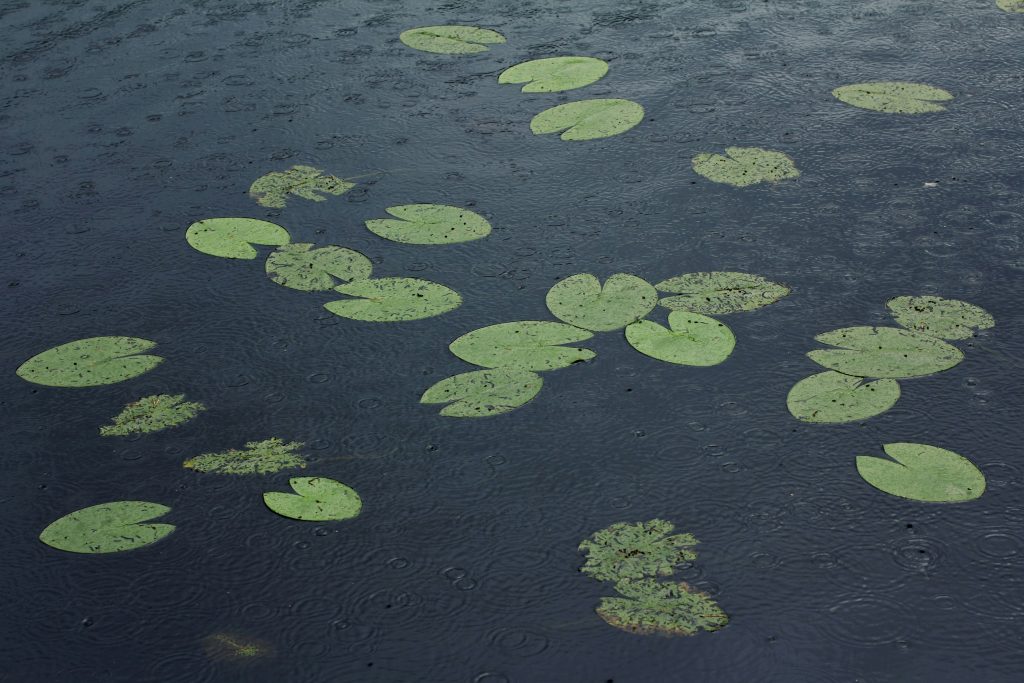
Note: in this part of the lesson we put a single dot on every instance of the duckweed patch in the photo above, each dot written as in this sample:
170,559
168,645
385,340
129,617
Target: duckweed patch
258,457
272,189
152,414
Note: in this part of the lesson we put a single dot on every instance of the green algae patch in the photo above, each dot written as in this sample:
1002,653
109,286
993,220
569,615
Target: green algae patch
90,362
921,472
588,119
665,608
152,414
693,339
636,550
528,345
316,499
228,646
451,40
938,317
744,166
300,266
393,299
310,183
107,528
234,237
258,457
484,392
555,74
580,300
719,292
834,398
893,97
884,352
430,224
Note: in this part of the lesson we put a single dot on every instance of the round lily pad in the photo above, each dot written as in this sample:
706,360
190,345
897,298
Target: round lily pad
451,40
894,97
1011,5
90,362
107,528
555,74
430,224
484,392
884,352
302,267
834,398
943,318
921,472
693,339
743,166
316,499
588,119
717,293
527,345
580,300
234,237
391,299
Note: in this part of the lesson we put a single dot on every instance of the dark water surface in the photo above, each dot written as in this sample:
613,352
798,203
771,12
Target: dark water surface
122,122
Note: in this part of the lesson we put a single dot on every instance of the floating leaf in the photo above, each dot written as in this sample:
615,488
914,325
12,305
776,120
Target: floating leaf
745,166
581,301
666,608
302,181
299,266
555,74
526,345
90,362
636,550
832,397
484,392
234,237
884,352
588,119
893,97
1011,5
233,646
430,224
694,339
107,528
316,499
943,318
390,299
151,414
922,472
258,457
721,292
451,40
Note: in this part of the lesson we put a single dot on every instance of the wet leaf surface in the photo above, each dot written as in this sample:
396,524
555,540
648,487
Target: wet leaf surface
316,499
693,339
938,317
527,345
484,392
588,119
582,301
555,74
744,166
108,528
258,457
664,608
152,414
636,550
300,266
234,237
894,97
394,299
921,472
452,40
430,224
310,183
718,293
884,352
834,398
90,362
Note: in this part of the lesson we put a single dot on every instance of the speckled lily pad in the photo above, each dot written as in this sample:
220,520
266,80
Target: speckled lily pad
743,166
588,119
665,608
721,292
527,345
894,97
310,183
582,301
451,40
555,74
484,392
107,528
430,224
392,299
90,362
152,414
636,550
921,472
258,457
884,352
693,339
943,318
300,266
234,237
316,499
834,398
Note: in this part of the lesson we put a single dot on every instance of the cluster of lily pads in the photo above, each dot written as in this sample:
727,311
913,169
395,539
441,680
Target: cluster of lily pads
634,557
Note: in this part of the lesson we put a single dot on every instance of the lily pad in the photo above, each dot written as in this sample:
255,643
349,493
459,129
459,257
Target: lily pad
90,362
484,392
300,266
834,398
555,74
258,457
151,414
943,318
693,339
666,608
526,345
430,224
745,166
451,40
316,499
107,528
390,299
1011,5
884,352
272,190
588,119
636,550
581,301
717,293
921,472
893,97
234,237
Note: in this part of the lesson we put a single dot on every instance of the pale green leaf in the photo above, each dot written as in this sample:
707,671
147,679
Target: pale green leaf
745,166
452,40
527,345
693,339
580,300
884,352
234,237
588,119
483,393
1011,5
316,499
299,266
272,190
943,318
151,414
833,398
555,74
430,224
665,608
893,97
390,299
720,292
636,550
90,362
107,528
921,472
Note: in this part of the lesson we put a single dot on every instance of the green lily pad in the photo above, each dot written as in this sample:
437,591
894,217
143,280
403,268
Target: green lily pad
636,550
151,414
299,266
526,345
484,392
430,224
720,292
258,457
90,362
665,608
943,318
588,119
1011,5
451,40
272,190
924,473
234,237
884,352
834,398
693,339
745,166
391,299
555,74
107,528
581,301
316,499
893,97
227,646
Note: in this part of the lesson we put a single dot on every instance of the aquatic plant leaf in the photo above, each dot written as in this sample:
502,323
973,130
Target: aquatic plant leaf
627,550
107,528
943,318
526,345
234,646
720,292
316,499
666,608
1011,5
451,40
922,472
430,224
745,166
151,414
580,300
258,457
893,97
555,74
693,339
390,299
483,393
299,266
234,237
272,190
834,398
884,352
588,119
90,362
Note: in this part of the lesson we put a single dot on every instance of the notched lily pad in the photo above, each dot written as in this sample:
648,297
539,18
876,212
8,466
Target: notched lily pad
1011,5
921,472
484,392
90,362
234,237
451,40
720,292
526,345
884,352
893,97
430,224
693,339
555,74
107,528
588,119
580,300
664,608
302,267
151,414
272,190
745,166
316,499
393,299
834,398
636,550
258,457
943,318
